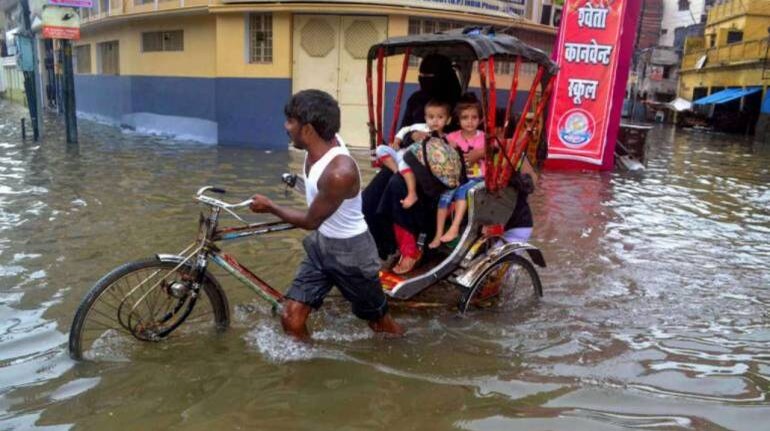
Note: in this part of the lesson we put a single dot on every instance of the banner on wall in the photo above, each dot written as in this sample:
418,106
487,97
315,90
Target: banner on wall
588,50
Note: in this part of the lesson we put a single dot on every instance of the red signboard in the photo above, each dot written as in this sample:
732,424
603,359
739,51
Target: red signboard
587,52
51,32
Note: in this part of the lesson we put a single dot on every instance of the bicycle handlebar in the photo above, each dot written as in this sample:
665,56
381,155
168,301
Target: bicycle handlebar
200,196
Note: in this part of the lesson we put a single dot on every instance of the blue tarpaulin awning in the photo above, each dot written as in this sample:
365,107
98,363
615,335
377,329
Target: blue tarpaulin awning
726,95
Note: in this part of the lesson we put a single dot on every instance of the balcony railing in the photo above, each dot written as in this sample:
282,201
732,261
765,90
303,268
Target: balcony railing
106,8
505,8
735,53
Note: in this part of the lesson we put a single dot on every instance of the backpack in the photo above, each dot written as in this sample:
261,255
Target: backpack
436,165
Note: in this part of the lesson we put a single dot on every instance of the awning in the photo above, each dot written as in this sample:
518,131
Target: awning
726,95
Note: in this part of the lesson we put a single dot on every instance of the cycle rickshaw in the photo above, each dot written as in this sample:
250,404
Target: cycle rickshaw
150,299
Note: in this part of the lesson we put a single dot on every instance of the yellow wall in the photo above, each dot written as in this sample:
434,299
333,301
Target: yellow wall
724,77
196,60
749,16
231,58
215,40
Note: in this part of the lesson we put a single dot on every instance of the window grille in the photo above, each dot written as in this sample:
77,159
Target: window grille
260,38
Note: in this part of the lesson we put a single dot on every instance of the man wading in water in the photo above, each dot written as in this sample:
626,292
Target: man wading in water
340,250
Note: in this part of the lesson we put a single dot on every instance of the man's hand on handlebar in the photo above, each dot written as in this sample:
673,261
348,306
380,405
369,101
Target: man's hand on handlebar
260,204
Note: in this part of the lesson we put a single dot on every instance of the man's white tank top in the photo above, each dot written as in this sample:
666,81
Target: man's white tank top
348,221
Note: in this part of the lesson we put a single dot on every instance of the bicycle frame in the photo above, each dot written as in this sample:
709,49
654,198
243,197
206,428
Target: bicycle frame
207,250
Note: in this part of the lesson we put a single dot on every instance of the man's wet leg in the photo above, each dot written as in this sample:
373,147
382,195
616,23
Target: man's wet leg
294,319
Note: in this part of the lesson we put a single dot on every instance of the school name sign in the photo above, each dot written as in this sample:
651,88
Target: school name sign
588,50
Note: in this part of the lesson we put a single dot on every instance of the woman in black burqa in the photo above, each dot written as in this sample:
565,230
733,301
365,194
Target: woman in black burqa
382,197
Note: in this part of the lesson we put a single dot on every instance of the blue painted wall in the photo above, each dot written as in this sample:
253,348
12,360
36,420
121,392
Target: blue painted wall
248,111
104,95
182,97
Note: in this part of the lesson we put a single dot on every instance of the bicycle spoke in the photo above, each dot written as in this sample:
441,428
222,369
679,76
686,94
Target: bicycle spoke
200,317
107,327
152,303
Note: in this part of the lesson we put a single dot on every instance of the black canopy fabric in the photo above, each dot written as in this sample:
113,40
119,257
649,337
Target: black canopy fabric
466,45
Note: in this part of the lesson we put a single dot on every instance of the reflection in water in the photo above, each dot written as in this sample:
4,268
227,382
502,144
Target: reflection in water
654,315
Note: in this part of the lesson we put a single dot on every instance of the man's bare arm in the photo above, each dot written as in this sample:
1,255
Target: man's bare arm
339,182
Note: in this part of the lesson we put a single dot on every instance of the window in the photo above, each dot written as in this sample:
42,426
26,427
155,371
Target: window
141,2
260,38
428,26
83,59
734,36
10,17
545,15
89,12
156,41
109,58
556,19
663,31
684,5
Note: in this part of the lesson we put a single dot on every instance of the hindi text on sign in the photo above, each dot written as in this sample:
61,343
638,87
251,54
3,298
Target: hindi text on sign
589,53
582,88
592,16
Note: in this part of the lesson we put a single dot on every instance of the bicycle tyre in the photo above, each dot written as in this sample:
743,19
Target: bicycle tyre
508,264
110,285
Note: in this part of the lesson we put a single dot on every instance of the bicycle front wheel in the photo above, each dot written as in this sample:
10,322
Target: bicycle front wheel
144,301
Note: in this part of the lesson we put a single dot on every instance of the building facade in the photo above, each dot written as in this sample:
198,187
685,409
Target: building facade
657,73
11,79
678,15
220,71
732,54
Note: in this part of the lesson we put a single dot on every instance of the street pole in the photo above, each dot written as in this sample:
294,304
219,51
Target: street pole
70,117
30,77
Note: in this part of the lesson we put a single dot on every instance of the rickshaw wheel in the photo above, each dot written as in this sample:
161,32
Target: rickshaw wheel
503,286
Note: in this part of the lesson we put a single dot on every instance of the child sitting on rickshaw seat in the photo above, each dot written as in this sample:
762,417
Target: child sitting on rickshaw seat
435,152
469,139
390,155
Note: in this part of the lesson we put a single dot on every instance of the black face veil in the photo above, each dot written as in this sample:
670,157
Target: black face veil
438,78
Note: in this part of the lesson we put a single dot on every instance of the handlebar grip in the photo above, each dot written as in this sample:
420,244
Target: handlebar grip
218,190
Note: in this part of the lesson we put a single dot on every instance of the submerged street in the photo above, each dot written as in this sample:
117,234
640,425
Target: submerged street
655,312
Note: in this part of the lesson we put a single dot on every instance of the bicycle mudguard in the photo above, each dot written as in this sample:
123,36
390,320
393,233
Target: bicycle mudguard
499,254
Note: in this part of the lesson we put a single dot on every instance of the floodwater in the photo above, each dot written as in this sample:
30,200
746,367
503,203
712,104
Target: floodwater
655,313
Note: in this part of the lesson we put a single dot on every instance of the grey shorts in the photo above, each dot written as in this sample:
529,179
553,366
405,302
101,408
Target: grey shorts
350,264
